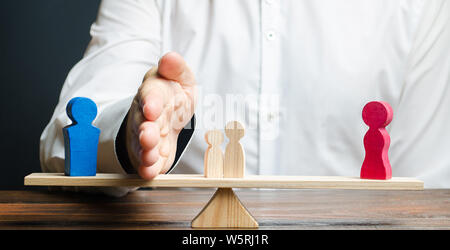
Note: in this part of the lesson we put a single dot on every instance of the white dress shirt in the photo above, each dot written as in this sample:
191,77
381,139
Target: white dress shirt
301,70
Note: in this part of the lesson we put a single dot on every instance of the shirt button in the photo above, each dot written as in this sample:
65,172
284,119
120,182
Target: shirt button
272,116
270,35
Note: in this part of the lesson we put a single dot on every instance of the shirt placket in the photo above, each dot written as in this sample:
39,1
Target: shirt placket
269,92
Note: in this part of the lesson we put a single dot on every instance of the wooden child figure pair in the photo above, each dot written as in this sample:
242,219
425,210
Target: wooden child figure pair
224,210
232,163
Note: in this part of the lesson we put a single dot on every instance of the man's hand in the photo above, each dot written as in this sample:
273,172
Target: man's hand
164,104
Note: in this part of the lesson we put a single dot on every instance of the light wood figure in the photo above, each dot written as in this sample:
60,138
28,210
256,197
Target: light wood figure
234,165
224,210
213,161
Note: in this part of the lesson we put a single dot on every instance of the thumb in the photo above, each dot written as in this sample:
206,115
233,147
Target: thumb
173,67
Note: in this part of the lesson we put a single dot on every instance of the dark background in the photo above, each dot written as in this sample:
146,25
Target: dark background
41,40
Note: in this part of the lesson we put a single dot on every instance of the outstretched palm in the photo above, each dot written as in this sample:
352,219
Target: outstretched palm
163,106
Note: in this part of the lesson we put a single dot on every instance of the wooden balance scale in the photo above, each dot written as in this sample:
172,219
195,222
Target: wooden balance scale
224,210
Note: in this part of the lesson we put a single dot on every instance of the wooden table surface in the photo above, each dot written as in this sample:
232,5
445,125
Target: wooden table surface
273,209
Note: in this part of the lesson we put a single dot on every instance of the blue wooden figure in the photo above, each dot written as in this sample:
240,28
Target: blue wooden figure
81,138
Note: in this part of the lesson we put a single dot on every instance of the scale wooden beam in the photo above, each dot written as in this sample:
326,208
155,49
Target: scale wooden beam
199,181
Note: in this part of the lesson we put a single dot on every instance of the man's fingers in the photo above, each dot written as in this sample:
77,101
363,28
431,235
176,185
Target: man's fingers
150,172
173,67
153,105
149,135
155,95
149,157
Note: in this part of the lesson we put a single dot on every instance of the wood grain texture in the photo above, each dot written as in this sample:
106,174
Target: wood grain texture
199,181
224,210
213,162
274,209
234,166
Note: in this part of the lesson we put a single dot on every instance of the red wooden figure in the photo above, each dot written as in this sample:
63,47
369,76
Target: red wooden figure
377,115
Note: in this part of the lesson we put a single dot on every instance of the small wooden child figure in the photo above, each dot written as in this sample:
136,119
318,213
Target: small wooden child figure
377,115
213,155
234,166
81,138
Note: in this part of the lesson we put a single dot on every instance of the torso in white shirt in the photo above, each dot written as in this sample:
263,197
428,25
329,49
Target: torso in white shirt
304,69
311,66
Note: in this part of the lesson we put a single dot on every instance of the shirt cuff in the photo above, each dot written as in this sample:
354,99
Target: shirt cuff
184,138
